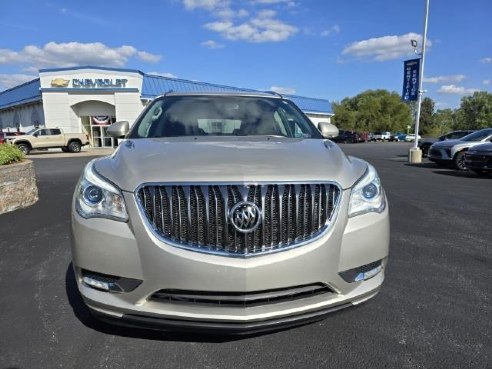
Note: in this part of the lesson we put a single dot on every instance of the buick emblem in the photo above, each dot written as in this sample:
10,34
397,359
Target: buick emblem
245,216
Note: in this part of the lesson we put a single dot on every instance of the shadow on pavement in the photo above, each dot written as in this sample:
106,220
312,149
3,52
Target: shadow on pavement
423,165
459,173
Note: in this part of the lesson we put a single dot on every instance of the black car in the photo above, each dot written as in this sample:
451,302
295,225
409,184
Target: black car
347,137
426,143
479,159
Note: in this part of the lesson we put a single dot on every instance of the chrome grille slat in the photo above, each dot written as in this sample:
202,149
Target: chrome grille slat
196,216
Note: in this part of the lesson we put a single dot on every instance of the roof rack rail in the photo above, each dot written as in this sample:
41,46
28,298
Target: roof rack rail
274,93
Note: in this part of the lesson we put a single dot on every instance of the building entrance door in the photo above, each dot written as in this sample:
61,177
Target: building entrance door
99,126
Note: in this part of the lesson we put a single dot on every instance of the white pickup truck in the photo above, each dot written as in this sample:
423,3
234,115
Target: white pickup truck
381,136
47,138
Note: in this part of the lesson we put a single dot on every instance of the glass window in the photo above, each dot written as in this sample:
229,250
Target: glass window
478,136
173,116
55,131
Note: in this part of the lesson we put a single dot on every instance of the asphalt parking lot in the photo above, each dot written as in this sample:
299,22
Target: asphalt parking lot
434,310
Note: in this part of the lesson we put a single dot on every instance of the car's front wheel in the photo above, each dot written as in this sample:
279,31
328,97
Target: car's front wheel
459,160
425,150
24,148
74,146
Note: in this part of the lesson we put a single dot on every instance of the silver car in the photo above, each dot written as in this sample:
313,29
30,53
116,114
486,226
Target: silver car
453,151
226,213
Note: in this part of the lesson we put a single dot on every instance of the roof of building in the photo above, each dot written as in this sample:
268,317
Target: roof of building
22,94
152,86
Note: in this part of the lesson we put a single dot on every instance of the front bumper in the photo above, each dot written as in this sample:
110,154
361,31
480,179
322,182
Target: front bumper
130,250
479,162
441,155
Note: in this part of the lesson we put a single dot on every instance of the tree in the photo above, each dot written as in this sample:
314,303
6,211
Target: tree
372,110
475,111
426,123
444,121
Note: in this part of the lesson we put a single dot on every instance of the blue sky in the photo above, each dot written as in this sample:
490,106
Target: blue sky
318,48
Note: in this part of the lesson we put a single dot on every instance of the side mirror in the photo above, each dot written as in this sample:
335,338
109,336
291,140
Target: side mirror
118,129
328,130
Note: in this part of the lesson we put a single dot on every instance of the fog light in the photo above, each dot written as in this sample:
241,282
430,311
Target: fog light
368,275
109,283
362,273
92,282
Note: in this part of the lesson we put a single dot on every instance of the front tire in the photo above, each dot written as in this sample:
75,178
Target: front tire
64,149
459,160
425,150
74,146
24,148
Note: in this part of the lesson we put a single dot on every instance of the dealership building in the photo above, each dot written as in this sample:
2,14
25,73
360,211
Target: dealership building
89,99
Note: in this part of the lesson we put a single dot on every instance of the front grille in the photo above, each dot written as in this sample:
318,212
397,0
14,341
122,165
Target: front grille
435,153
196,217
479,160
240,299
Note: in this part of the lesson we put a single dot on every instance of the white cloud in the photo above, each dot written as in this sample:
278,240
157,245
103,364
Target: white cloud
12,80
486,81
445,79
456,90
162,74
211,44
331,31
486,60
148,57
283,90
262,28
384,48
74,53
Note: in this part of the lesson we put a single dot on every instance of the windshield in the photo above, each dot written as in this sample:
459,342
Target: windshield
175,116
477,136
32,131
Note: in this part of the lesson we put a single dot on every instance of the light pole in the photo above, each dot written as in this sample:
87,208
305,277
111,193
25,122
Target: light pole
415,155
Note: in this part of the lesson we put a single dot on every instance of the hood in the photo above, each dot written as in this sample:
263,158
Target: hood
447,143
485,148
233,159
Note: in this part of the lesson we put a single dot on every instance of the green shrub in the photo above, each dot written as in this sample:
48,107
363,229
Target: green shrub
10,154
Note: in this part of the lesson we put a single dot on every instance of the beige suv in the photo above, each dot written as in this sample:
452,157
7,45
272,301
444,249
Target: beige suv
226,213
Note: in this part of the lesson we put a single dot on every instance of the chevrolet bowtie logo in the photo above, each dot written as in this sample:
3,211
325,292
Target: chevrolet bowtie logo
60,82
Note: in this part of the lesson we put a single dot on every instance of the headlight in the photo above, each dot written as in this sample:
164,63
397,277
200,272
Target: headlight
97,198
367,195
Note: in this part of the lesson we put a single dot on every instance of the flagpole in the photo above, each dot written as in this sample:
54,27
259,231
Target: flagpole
415,155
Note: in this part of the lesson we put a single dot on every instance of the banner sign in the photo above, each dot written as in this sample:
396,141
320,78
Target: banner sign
411,80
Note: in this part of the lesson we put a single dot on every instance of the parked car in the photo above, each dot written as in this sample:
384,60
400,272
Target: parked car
411,137
426,143
479,159
346,137
398,136
453,151
381,136
45,138
226,212
363,136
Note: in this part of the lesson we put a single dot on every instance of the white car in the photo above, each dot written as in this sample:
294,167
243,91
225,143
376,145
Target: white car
411,137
